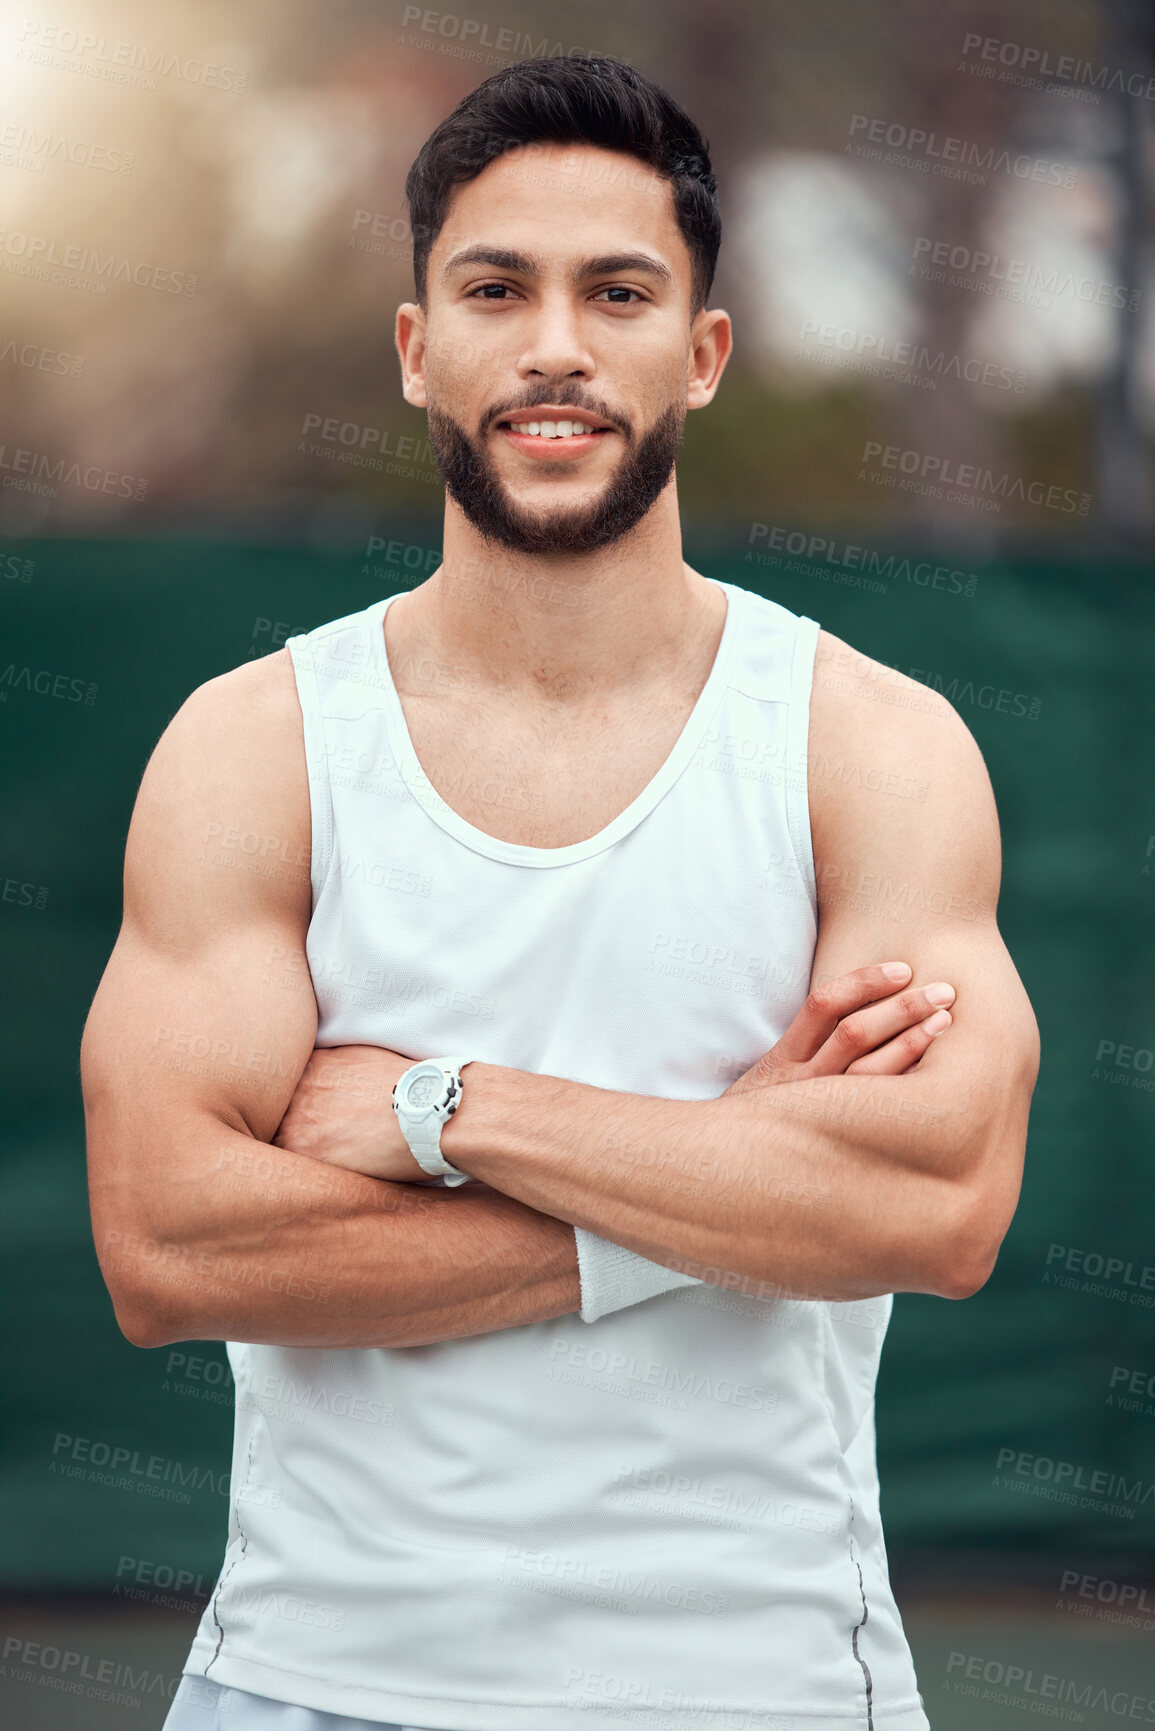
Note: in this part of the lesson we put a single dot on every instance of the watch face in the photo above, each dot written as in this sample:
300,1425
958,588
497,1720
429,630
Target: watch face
423,1090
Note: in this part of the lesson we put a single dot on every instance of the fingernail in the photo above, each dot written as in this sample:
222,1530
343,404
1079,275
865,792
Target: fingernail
939,993
896,970
937,1024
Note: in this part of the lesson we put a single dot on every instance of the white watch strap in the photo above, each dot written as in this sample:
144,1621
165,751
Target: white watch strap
425,1139
613,1277
453,1178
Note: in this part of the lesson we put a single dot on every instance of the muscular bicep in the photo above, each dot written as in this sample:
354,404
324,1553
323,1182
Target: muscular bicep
205,1016
907,864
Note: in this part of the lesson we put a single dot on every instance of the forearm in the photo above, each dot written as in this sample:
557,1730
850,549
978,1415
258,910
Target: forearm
265,1245
838,1188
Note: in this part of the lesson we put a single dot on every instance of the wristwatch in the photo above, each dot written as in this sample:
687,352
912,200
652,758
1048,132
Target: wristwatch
425,1097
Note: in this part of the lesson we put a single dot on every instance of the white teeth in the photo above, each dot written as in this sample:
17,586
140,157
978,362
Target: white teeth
551,429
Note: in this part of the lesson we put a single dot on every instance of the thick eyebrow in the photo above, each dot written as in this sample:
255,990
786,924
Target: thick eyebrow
525,264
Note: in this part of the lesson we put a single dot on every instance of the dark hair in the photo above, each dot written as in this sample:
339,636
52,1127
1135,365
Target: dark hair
569,101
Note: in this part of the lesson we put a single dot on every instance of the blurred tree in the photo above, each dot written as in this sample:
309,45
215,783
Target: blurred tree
934,94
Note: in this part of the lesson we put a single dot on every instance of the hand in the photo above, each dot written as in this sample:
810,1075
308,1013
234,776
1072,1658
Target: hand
860,1024
342,1113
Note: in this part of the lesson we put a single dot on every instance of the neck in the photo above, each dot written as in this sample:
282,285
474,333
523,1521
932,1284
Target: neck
566,628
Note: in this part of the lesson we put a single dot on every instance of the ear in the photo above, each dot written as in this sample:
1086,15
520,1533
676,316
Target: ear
409,336
711,339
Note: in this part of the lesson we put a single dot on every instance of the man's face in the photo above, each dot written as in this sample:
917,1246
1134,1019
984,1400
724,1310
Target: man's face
560,280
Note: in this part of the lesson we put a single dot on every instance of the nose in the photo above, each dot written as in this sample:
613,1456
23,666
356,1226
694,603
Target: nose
555,347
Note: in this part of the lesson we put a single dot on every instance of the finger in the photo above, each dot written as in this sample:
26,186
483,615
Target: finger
827,1004
867,1029
900,1054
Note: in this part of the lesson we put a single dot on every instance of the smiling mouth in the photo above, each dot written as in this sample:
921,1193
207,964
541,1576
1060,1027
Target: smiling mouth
556,427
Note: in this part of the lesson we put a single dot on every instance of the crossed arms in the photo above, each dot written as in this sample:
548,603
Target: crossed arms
832,1169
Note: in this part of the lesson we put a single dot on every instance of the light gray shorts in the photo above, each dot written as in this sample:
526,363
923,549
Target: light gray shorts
201,1704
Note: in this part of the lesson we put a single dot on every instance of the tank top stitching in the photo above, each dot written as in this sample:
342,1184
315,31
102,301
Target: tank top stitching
220,1586
867,1679
826,1334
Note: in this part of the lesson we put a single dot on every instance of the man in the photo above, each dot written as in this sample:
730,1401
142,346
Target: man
592,1432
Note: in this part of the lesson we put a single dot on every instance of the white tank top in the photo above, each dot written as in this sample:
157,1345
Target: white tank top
668,1517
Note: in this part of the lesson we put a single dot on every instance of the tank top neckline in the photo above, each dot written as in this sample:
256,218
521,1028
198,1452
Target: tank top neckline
681,753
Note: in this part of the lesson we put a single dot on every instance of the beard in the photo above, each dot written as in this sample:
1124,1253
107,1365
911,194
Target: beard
473,483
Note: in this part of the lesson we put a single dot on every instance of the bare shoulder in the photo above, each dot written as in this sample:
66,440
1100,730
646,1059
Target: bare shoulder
861,705
241,732
261,692
224,799
852,688
892,767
